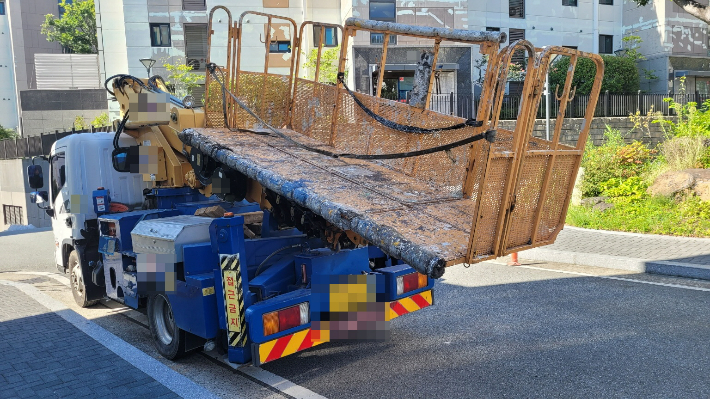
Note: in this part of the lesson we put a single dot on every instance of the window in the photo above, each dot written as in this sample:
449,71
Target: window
490,29
196,46
607,2
330,38
606,44
383,10
516,8
61,9
11,214
58,177
379,38
571,3
194,5
2,7
280,47
160,35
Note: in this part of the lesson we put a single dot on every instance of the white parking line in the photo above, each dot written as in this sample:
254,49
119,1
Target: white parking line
685,287
277,382
171,379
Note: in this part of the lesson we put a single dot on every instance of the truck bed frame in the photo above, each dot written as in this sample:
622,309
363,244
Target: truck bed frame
463,205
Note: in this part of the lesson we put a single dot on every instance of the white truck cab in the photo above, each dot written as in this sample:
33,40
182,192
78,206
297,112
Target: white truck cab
78,165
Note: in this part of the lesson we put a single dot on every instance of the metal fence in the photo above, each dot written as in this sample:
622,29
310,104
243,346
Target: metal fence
28,147
609,105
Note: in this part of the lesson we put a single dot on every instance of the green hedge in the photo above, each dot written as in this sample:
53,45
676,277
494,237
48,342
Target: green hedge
620,75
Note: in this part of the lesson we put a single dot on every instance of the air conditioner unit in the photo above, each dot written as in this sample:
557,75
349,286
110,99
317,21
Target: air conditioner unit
197,64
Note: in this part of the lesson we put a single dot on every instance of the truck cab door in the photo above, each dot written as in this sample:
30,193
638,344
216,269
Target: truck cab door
59,199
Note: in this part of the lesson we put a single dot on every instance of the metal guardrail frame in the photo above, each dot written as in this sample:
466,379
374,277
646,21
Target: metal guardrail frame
609,105
27,147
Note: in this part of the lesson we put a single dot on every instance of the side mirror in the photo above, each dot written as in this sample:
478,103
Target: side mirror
126,159
35,178
39,197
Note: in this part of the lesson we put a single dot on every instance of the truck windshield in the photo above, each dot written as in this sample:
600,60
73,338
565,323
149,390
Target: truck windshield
58,174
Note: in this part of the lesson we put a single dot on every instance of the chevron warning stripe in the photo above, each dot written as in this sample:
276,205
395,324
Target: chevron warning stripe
233,299
410,304
285,346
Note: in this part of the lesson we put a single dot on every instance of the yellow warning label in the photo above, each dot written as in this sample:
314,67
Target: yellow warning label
231,300
208,291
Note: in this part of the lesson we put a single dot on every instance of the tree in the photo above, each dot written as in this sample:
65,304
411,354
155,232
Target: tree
75,29
620,75
181,78
7,133
699,11
329,60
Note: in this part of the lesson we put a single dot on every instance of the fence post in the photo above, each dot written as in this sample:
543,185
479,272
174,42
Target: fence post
638,101
451,103
606,106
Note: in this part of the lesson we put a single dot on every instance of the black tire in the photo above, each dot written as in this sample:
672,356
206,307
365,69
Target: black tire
167,337
78,284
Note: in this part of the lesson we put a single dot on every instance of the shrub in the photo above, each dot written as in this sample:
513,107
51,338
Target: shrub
628,190
101,120
683,152
620,74
613,159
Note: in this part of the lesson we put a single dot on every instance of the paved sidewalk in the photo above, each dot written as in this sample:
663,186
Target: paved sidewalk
44,356
675,256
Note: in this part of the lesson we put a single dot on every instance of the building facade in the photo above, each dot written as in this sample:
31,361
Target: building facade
46,89
175,32
675,45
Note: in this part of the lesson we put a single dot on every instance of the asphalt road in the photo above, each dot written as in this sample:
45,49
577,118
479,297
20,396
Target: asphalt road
548,330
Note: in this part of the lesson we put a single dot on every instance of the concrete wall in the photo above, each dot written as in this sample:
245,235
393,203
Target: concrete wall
571,128
45,111
14,191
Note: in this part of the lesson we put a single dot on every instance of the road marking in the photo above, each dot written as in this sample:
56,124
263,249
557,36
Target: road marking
685,287
171,379
277,382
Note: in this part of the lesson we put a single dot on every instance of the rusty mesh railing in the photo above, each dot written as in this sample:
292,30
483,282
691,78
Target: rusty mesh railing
507,196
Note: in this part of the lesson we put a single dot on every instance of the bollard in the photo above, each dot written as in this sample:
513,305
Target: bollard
514,259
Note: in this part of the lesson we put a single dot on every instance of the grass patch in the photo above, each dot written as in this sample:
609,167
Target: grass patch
651,215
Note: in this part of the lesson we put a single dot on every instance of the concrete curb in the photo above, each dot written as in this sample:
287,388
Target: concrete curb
667,268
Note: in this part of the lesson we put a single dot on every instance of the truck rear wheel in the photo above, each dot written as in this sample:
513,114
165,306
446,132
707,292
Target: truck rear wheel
78,284
168,338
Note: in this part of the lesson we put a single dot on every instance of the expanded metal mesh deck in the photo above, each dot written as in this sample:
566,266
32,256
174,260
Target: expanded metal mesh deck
410,219
466,204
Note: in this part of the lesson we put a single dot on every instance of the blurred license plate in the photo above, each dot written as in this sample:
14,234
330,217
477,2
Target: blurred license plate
349,307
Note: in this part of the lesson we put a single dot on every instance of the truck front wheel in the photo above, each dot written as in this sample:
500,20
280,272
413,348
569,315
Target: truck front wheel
78,284
168,338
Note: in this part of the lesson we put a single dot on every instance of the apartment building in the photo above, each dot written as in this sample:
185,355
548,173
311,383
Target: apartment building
675,45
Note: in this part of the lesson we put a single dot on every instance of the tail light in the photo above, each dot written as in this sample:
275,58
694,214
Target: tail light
410,282
282,320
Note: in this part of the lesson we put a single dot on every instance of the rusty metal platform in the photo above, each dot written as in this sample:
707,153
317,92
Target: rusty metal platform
463,205
427,227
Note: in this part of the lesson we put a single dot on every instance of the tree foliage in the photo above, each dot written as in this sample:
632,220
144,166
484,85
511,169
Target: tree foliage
181,77
7,133
329,60
692,7
75,29
620,75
